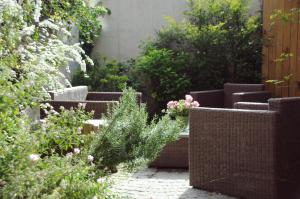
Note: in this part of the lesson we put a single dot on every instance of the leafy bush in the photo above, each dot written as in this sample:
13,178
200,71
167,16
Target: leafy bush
32,161
34,164
162,73
105,76
60,133
128,137
219,43
54,177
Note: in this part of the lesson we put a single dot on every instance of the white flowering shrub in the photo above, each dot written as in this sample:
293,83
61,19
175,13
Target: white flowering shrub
33,157
34,45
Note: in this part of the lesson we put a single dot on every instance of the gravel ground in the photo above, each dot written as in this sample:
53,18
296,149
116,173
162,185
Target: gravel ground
150,183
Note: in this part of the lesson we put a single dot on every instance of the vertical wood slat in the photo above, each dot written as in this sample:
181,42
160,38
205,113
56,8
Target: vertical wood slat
266,50
297,58
293,60
285,39
267,68
278,31
286,48
272,64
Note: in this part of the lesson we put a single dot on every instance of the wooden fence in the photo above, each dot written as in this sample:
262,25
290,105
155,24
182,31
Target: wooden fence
283,38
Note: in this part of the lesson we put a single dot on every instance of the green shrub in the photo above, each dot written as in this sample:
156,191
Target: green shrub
128,137
53,174
219,43
103,76
60,133
32,161
162,73
54,177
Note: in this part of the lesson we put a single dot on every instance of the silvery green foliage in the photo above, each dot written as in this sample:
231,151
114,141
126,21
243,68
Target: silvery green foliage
36,44
129,138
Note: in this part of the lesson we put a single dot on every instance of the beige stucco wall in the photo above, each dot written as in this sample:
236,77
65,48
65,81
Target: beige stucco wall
134,21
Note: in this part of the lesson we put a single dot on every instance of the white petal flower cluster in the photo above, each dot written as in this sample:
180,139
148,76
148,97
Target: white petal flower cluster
37,10
41,51
34,157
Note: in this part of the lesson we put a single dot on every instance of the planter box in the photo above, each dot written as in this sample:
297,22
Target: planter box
174,155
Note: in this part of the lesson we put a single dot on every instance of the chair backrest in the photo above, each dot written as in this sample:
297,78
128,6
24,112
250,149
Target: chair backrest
288,137
289,110
251,106
70,94
110,96
230,88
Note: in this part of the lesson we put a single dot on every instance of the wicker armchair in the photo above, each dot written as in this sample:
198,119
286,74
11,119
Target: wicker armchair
231,94
93,101
253,154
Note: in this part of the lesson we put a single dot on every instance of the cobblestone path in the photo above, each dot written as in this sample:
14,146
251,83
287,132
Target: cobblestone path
152,183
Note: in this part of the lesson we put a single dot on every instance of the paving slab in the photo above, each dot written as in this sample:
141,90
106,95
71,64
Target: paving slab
151,183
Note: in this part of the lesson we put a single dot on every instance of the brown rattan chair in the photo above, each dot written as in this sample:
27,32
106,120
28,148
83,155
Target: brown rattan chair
253,154
232,93
92,101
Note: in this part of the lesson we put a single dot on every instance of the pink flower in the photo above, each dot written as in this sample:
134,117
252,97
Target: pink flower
172,104
176,104
188,98
187,104
195,104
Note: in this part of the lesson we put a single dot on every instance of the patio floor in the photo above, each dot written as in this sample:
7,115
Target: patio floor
150,183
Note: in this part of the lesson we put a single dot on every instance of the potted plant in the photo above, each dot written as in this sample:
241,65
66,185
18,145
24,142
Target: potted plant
179,110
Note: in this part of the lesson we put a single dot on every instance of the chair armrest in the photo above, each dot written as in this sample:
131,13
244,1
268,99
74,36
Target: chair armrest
210,98
257,96
227,146
251,105
99,107
109,96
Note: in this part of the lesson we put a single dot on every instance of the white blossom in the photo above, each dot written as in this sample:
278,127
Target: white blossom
49,24
100,180
79,130
69,155
76,150
90,158
34,157
37,10
41,59
53,112
28,31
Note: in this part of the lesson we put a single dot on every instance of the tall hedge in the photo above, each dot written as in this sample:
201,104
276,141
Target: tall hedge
220,42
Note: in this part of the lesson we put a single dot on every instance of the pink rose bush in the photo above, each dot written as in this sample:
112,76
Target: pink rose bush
181,107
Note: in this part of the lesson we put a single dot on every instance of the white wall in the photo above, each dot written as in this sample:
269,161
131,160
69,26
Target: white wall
133,21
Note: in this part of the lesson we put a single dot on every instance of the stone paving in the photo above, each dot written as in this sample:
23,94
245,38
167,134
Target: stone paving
150,183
